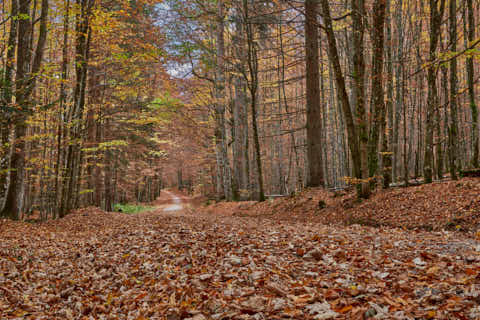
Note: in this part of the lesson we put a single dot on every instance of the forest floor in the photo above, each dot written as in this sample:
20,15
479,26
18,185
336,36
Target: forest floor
445,205
191,264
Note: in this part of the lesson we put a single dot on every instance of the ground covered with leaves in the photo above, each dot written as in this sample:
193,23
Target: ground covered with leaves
184,265
445,205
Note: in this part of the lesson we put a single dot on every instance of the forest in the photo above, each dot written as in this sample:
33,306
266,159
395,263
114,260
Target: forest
106,103
239,159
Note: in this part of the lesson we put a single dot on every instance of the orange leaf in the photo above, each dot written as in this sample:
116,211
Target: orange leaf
140,296
471,272
346,309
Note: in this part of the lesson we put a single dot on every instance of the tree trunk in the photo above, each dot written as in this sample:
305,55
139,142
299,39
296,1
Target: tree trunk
436,15
399,99
387,132
240,114
252,60
377,99
453,132
358,30
220,131
471,88
73,155
315,177
6,100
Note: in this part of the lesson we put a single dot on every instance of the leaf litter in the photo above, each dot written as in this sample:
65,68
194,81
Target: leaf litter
97,265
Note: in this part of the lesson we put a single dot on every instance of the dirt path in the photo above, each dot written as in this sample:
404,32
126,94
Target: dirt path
177,203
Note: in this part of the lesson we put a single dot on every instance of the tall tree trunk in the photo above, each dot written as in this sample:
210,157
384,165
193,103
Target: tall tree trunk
471,88
7,88
377,99
220,130
453,132
315,177
61,118
82,48
436,15
399,99
387,132
358,33
252,60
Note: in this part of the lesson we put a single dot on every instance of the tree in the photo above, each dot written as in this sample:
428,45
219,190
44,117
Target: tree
224,170
75,114
358,33
315,177
240,109
471,87
453,131
377,96
6,102
252,61
436,14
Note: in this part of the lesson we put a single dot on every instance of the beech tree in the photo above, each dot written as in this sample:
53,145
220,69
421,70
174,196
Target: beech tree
314,112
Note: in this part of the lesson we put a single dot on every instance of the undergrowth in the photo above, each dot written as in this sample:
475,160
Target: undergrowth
132,208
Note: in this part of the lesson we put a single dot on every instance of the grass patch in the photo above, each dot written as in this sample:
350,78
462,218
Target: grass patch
132,208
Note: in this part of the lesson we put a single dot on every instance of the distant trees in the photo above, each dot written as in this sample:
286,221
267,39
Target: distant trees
374,121
72,111
106,101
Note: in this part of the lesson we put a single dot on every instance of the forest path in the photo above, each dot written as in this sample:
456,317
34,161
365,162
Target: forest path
176,203
158,265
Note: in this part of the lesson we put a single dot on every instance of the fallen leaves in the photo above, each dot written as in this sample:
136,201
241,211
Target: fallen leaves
156,266
445,205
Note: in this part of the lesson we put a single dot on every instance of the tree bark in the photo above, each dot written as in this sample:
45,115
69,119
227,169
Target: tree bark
453,132
471,88
436,15
377,99
315,177
73,155
220,131
6,101
240,113
358,33
387,132
252,60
